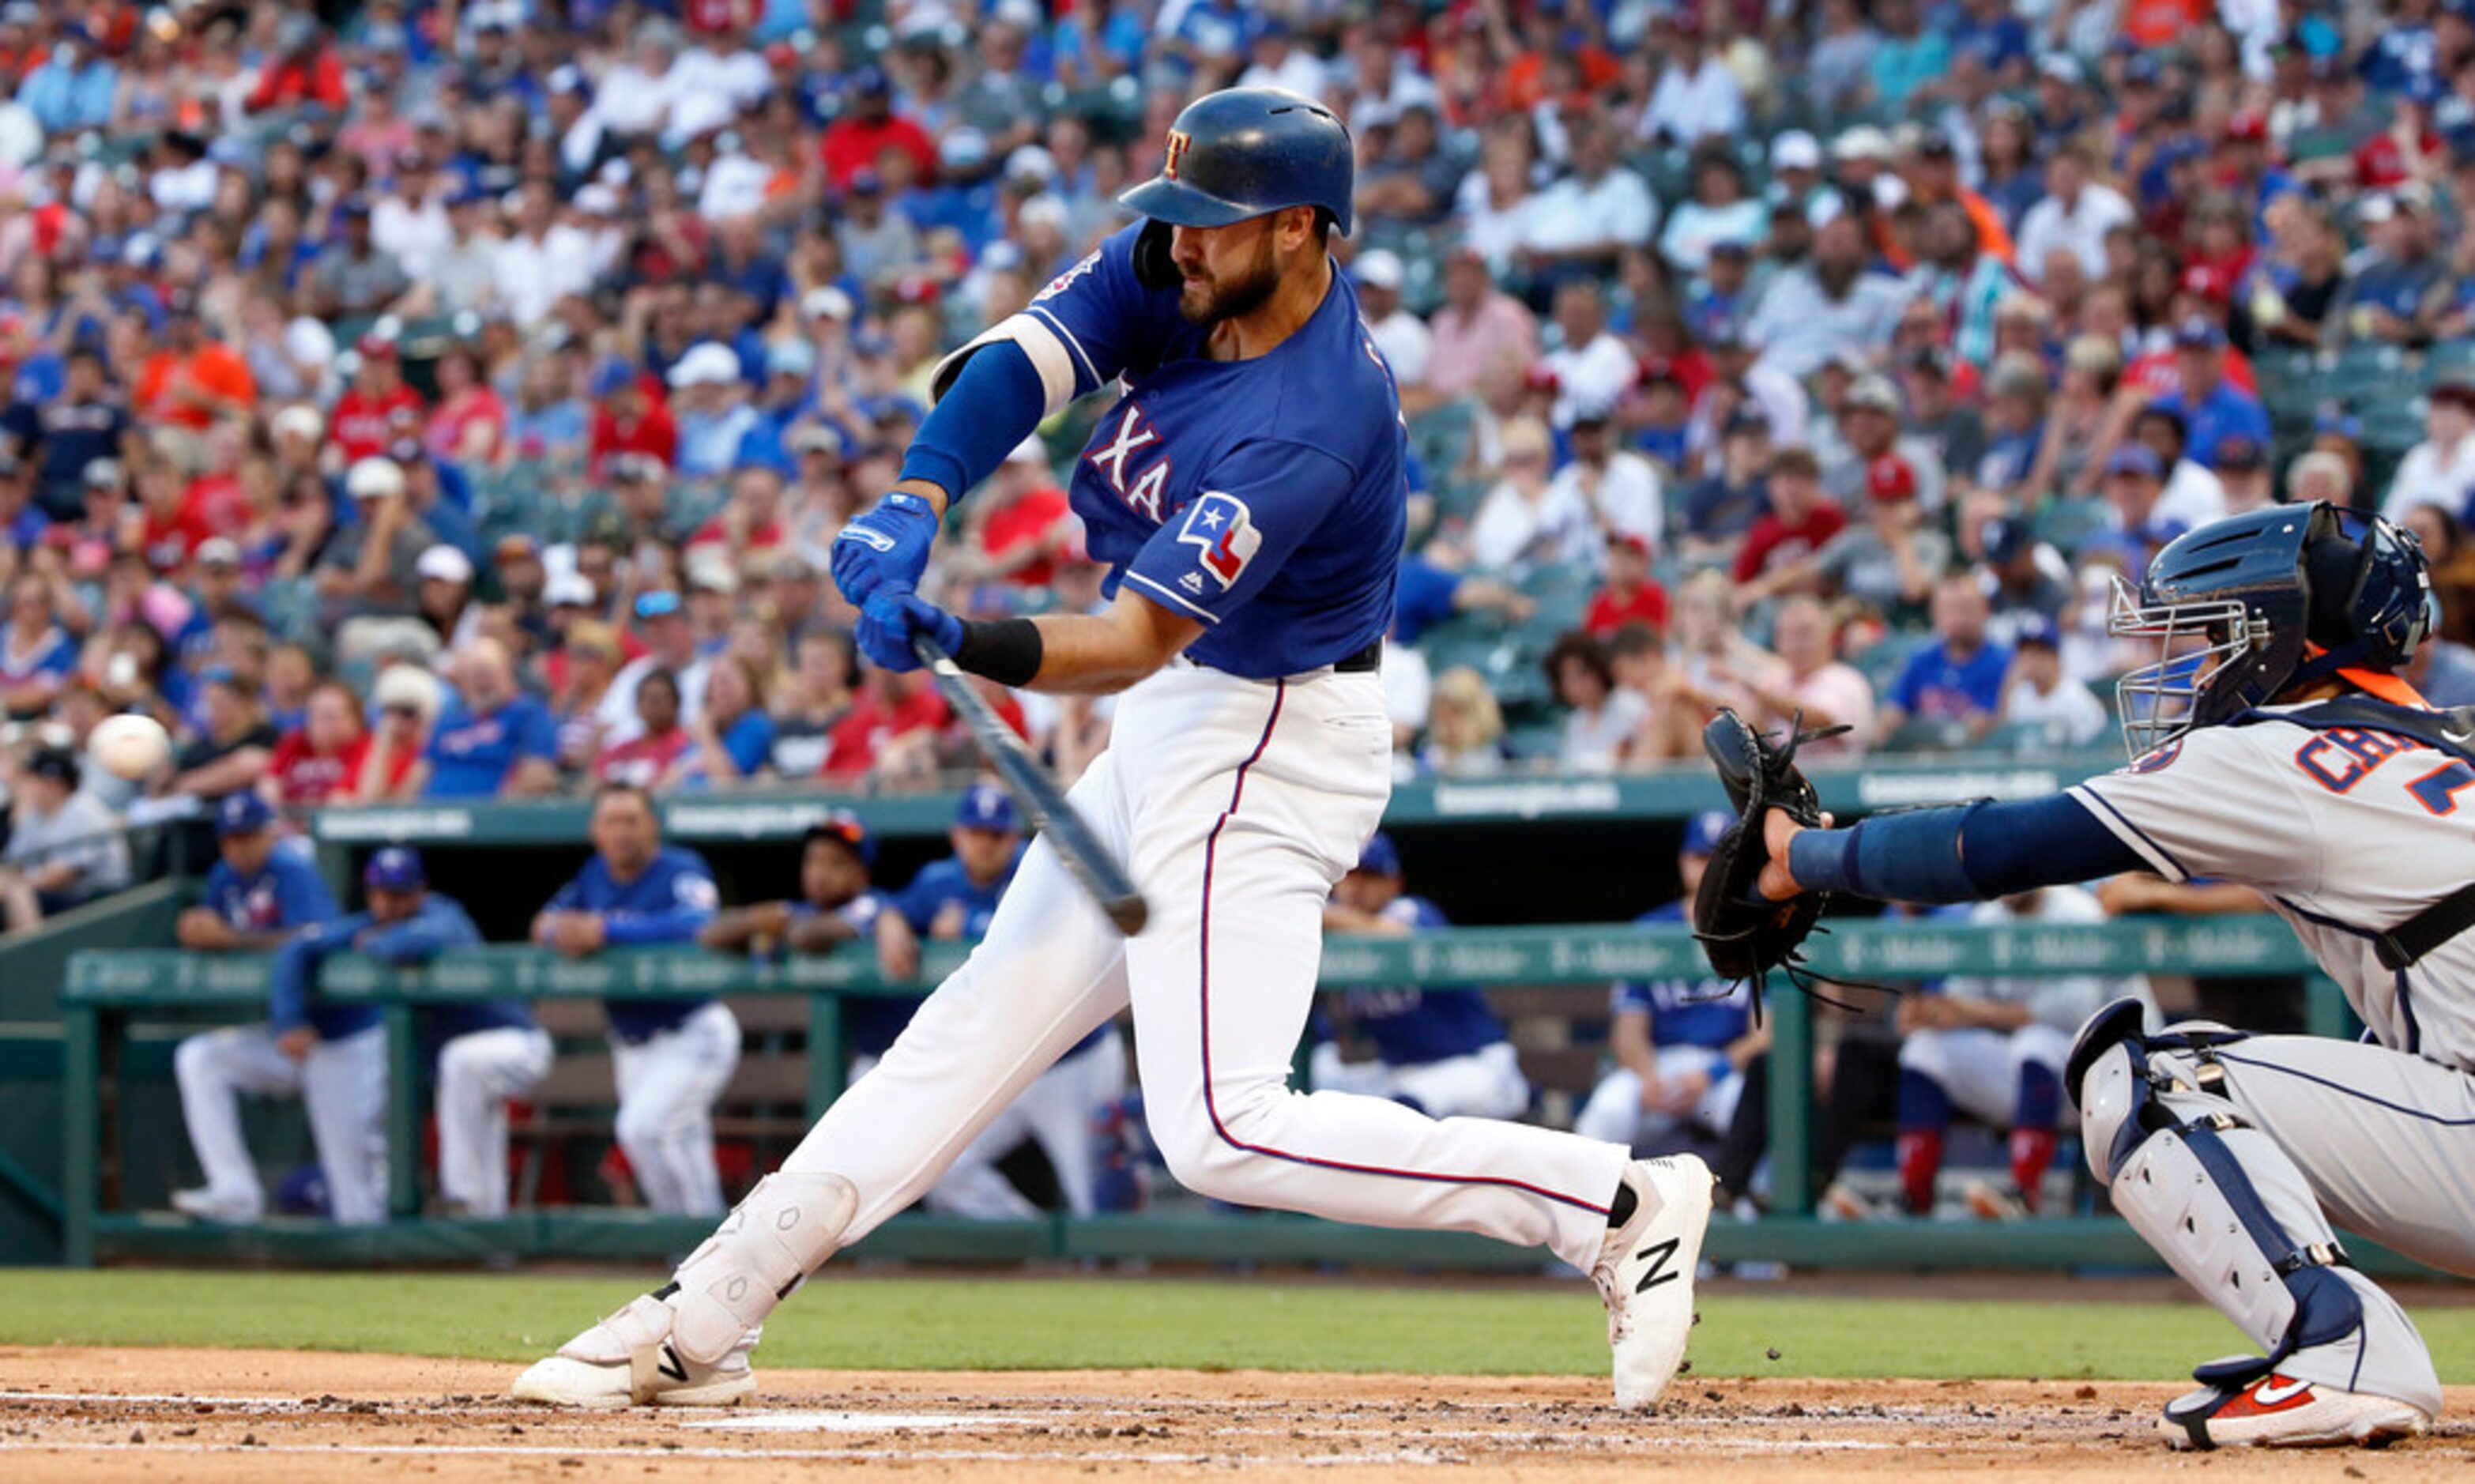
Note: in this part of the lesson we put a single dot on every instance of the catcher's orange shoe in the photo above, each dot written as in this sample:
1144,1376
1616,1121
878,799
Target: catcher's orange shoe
2279,1411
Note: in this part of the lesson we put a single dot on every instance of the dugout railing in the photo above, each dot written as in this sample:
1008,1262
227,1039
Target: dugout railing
108,991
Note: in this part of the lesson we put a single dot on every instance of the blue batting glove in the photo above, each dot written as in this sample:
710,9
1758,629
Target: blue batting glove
889,619
884,545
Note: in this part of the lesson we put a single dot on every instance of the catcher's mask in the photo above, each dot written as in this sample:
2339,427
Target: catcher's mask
2243,608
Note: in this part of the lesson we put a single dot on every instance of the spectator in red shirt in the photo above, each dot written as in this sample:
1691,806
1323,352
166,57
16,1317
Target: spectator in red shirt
1024,518
647,758
323,760
378,407
169,530
195,378
1801,520
304,70
1629,594
629,418
890,732
850,143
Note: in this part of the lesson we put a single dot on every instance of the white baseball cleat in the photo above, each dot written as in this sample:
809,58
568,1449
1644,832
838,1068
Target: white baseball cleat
204,1203
2279,1411
629,1360
1645,1274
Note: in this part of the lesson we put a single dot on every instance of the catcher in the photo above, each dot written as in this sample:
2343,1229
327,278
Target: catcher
2274,745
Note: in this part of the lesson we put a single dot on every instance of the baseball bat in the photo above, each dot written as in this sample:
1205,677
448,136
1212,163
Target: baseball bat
1087,861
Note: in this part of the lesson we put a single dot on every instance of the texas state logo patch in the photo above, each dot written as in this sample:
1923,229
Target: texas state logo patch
1220,524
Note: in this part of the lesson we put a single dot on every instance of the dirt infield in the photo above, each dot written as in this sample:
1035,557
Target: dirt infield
271,1417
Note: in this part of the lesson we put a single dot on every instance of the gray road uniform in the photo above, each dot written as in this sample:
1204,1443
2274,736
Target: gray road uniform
2348,833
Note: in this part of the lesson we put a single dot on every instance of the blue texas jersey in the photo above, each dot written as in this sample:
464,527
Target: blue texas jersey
943,882
1263,497
1412,1026
287,892
668,902
1687,1011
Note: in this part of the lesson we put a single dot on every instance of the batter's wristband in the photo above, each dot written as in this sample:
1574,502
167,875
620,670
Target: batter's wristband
1005,650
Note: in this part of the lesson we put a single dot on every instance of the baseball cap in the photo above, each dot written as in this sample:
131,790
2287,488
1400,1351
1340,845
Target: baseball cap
2135,458
985,806
103,473
242,814
568,590
444,564
825,303
1873,392
373,346
611,374
847,830
1378,268
516,546
1380,858
791,358
659,605
1890,477
218,551
2197,332
2039,630
1702,832
2239,453
395,868
1864,141
56,764
637,466
706,364
374,478
1796,150
2247,127
2004,539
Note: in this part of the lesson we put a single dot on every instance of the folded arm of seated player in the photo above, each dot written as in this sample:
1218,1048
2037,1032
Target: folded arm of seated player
1968,852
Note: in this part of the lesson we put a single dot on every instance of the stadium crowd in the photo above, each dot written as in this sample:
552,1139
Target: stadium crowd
456,400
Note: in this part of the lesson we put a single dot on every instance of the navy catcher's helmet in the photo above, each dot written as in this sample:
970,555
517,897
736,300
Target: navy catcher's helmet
1246,152
2247,606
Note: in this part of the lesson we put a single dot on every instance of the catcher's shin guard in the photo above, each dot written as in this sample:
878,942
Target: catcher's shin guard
2232,1215
767,1246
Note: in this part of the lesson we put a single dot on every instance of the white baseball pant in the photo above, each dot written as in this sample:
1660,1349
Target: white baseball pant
1486,1084
342,1087
1614,1110
478,1073
1979,1068
668,1084
1237,805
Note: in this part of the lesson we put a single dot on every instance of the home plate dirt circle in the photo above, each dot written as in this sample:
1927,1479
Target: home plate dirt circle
271,1418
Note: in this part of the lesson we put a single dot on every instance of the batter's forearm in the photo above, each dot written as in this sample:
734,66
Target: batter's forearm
1100,655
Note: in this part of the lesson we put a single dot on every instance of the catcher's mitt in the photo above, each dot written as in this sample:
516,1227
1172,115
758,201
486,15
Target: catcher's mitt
1744,935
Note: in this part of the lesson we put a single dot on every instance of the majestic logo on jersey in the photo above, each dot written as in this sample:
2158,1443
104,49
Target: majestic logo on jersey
1179,142
1066,280
1143,494
1221,526
2158,759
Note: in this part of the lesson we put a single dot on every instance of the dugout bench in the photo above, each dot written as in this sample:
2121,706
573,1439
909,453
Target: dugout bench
108,989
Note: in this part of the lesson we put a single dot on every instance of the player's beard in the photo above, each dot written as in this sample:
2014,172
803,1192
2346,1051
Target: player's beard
1209,302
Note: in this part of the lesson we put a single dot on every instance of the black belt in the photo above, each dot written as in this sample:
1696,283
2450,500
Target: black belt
1364,660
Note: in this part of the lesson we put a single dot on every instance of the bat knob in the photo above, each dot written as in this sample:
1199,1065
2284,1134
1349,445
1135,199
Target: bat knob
1129,913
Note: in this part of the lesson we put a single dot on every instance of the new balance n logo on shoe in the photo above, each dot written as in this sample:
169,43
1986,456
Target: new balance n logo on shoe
1658,1256
671,1364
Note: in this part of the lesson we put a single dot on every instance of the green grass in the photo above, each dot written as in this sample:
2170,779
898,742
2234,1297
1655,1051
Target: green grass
1030,1323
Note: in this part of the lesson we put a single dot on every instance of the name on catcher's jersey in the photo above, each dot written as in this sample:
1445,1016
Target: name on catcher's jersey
1263,497
2347,832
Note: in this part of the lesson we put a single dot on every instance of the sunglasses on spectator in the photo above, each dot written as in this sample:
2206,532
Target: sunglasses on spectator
399,711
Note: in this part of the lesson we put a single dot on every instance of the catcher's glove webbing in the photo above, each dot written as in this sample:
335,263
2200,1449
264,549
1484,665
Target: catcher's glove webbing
1746,935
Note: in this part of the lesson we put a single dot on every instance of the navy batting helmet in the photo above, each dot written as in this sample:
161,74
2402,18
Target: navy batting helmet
2245,607
1246,152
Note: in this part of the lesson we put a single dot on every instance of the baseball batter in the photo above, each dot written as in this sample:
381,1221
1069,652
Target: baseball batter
1247,492
2274,746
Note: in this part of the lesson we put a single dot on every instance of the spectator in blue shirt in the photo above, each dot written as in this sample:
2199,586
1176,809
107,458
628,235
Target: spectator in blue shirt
332,1057
2213,408
1957,678
672,1056
492,741
2384,295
